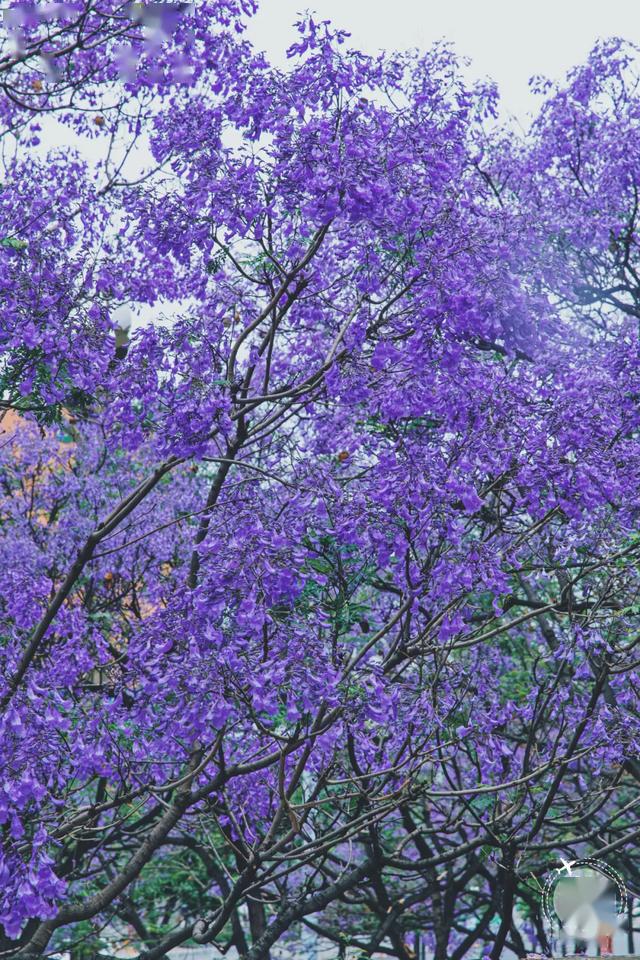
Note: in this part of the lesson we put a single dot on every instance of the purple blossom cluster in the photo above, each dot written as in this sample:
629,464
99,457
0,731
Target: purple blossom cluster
319,603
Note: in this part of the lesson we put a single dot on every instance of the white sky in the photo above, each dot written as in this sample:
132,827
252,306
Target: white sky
508,40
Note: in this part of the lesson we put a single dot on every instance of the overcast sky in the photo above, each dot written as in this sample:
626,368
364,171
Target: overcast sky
508,40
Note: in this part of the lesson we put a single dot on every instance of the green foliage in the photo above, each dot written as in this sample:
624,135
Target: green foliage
12,243
401,426
342,593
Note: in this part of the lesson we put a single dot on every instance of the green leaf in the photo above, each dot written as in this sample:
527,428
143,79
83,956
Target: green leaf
13,243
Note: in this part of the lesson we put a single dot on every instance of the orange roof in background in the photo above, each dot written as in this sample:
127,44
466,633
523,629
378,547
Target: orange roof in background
9,420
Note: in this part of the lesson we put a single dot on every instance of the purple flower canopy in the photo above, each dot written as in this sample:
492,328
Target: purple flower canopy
322,581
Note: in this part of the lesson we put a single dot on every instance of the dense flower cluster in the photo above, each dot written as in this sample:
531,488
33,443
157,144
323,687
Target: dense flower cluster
322,579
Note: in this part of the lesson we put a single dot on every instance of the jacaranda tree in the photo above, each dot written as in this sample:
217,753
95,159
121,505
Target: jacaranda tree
319,596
